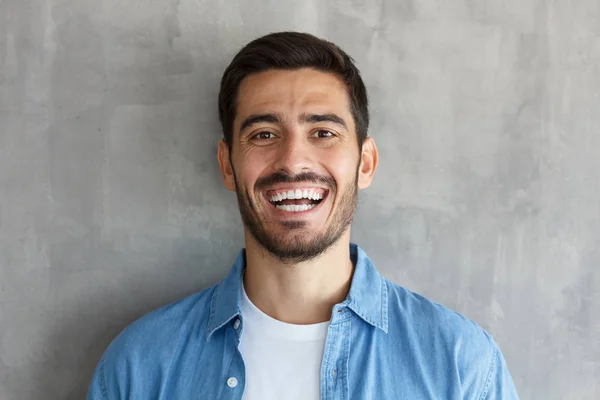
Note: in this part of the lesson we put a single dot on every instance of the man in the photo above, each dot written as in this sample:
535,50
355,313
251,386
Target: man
303,313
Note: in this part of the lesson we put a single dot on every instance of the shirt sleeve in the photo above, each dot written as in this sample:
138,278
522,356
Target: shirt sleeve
97,389
499,384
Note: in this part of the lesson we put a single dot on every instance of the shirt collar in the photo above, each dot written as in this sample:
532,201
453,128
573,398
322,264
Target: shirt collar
367,297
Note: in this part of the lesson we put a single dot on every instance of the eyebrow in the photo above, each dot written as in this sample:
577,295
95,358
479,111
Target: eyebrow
258,118
313,118
305,118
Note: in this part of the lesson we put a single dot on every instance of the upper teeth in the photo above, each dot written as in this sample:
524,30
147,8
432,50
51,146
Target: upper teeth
297,194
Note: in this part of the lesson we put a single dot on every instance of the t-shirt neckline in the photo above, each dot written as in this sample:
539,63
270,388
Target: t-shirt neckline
255,318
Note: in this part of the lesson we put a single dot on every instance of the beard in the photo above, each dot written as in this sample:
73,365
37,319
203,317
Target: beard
295,245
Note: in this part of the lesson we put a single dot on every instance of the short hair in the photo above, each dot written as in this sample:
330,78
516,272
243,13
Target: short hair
291,51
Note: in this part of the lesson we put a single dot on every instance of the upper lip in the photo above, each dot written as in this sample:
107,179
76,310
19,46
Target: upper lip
292,186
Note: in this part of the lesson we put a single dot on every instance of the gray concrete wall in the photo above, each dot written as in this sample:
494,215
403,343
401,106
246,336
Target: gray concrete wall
487,116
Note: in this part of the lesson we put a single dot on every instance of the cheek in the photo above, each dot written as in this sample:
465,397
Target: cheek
249,169
342,167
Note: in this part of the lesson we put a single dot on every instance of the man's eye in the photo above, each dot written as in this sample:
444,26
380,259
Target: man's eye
264,135
322,134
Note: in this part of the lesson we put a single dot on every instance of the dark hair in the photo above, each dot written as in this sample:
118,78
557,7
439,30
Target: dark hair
289,51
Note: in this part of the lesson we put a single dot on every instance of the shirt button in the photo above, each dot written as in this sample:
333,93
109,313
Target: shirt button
232,382
334,373
236,324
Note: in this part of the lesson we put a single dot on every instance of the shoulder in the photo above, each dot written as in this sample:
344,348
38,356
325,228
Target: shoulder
147,346
458,346
422,313
165,324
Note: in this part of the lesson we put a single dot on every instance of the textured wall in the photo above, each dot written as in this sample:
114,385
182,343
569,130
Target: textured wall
487,116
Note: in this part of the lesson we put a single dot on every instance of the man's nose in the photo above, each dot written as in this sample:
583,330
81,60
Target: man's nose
294,155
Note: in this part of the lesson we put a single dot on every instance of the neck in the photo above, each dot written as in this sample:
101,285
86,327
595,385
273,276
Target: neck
301,293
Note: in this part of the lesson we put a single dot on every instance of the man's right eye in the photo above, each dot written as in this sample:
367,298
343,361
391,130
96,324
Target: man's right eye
264,135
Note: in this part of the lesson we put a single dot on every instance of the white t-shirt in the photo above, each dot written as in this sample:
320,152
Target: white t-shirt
283,361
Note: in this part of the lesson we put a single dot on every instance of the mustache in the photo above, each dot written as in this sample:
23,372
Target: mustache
280,177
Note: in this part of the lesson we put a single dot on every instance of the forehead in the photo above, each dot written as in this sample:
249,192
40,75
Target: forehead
292,93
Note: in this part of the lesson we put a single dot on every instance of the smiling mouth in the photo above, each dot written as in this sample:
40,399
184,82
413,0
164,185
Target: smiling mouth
297,199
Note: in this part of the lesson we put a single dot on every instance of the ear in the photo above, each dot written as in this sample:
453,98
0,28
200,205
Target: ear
368,163
225,165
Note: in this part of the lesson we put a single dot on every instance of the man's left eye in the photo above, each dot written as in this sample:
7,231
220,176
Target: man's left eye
323,134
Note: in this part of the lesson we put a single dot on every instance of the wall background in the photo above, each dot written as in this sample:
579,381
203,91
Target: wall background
487,117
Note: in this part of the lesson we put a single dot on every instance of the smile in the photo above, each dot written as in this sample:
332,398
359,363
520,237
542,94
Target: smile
296,199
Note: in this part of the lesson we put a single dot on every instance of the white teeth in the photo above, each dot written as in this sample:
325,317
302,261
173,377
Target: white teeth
295,207
297,194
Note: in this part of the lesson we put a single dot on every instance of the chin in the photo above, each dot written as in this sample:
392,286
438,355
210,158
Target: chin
296,247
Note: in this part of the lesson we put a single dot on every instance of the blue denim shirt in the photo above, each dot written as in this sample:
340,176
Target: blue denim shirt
384,342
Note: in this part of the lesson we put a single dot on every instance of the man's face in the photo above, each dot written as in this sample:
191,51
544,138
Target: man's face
295,161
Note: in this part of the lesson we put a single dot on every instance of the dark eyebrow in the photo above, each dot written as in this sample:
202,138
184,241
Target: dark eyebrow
314,118
257,118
